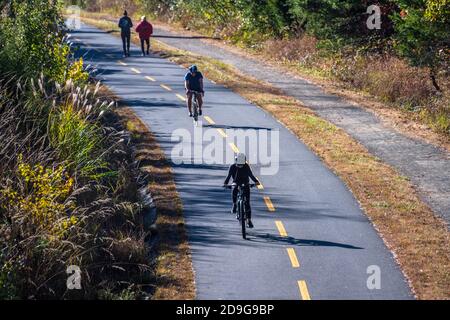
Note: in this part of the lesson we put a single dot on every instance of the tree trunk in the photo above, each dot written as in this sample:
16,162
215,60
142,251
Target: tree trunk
433,80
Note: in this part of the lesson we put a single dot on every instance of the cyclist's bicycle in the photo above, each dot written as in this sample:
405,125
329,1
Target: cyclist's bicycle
241,213
195,105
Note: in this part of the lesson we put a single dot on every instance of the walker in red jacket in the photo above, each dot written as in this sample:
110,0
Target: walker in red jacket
145,30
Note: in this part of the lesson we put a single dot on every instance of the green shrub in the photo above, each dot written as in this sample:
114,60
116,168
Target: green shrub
76,140
422,35
31,39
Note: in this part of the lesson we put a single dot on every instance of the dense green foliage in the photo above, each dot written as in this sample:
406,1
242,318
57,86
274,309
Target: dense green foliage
423,34
68,182
404,61
30,40
417,29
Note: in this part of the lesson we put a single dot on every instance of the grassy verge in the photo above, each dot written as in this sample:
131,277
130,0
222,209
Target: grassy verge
173,265
419,239
174,273
174,276
68,197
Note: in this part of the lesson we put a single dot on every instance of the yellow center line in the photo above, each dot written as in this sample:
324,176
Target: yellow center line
150,78
165,87
180,97
233,146
122,63
135,70
303,290
281,228
269,204
293,258
222,133
211,121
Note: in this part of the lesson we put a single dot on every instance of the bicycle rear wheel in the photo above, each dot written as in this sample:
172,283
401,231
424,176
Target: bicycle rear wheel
195,107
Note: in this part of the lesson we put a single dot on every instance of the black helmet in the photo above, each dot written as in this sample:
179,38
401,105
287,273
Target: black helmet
193,68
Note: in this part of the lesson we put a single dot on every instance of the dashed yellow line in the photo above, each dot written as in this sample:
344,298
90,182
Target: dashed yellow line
150,78
165,87
136,70
122,63
222,133
180,97
303,290
293,257
269,204
209,120
281,228
233,146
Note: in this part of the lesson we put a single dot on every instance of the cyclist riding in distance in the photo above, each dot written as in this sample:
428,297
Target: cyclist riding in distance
241,172
193,81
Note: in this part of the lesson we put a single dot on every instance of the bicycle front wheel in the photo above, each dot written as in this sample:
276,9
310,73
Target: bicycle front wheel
195,112
242,220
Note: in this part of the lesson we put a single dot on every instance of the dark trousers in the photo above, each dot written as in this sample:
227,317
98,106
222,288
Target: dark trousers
234,194
126,38
145,41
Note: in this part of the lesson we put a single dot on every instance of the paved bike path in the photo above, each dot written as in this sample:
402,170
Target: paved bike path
316,222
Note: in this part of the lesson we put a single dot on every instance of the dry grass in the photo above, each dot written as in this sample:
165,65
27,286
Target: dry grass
175,277
386,78
302,49
419,240
174,273
52,216
401,98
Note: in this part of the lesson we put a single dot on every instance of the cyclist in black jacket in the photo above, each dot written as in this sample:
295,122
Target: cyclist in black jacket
241,173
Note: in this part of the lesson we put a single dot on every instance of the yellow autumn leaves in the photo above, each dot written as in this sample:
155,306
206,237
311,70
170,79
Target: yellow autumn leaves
42,200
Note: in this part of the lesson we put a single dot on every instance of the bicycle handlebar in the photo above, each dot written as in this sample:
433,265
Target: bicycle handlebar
251,185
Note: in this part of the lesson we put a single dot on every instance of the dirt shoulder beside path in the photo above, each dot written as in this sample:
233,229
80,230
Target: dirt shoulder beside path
426,165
